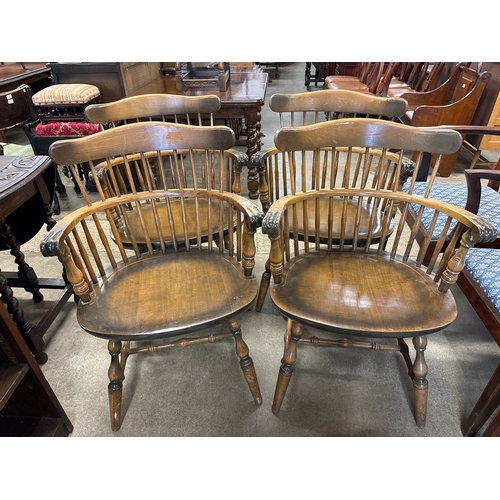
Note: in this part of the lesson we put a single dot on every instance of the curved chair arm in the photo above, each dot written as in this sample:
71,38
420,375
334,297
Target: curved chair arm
478,230
473,178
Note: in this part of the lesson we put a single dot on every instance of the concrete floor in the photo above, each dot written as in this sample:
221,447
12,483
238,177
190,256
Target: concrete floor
200,391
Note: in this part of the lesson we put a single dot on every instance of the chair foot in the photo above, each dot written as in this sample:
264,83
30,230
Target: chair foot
284,377
115,385
293,334
246,362
420,384
264,286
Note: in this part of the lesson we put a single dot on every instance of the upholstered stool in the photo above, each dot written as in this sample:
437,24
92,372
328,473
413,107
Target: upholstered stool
65,102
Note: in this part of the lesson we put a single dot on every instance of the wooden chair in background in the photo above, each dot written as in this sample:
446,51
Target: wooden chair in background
348,153
320,285
129,296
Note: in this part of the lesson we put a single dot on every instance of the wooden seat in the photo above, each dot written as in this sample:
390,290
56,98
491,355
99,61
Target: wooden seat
372,296
422,80
357,152
367,82
134,297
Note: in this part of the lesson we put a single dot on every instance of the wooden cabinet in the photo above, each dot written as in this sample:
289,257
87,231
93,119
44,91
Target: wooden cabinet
28,405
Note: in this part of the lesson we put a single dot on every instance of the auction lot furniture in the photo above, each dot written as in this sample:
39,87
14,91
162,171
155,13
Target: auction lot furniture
363,297
166,287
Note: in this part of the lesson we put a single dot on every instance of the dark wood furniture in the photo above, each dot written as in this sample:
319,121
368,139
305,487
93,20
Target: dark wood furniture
241,103
370,296
453,103
135,298
26,193
320,72
34,74
28,405
16,108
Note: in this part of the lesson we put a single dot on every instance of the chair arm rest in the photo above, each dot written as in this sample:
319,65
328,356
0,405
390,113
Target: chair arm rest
473,178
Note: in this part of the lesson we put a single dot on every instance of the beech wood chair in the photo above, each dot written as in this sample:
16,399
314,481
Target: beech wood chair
369,293
354,153
170,169
170,290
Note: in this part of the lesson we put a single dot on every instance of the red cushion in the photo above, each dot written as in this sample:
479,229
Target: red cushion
67,128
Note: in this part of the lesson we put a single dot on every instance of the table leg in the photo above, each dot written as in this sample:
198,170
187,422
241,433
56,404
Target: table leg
253,143
26,274
29,331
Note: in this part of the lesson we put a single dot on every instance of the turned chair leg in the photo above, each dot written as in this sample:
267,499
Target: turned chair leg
246,362
115,385
293,334
264,286
420,383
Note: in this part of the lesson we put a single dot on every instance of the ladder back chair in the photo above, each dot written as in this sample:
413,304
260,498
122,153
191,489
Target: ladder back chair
175,168
371,296
349,153
134,298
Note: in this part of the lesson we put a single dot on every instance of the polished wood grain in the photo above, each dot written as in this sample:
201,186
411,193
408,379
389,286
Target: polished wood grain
326,285
159,260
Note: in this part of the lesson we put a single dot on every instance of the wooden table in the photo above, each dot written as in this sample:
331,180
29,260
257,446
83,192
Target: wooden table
240,108
27,186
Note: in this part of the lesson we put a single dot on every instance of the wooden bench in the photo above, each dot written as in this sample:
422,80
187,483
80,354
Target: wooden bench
453,103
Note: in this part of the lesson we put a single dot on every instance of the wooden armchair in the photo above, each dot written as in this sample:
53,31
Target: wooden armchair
181,283
369,293
170,165
349,153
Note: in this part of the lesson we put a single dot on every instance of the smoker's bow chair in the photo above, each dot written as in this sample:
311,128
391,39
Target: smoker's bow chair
178,284
369,293
355,153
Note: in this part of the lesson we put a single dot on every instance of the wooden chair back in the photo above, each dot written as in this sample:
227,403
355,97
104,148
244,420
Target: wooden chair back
312,107
154,156
347,152
190,110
